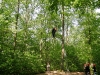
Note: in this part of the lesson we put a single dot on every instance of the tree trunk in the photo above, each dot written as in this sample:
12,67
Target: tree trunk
67,35
62,57
41,43
15,35
26,26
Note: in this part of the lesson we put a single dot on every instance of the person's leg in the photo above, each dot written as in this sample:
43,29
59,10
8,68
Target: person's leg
86,73
94,73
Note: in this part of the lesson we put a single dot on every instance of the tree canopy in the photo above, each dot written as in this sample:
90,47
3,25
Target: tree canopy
26,42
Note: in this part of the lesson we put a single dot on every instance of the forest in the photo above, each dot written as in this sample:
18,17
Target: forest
27,45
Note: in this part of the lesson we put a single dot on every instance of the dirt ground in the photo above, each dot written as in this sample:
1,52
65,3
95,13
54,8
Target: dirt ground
62,73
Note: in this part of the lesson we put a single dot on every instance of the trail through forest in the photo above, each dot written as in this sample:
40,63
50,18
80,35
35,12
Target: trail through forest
62,73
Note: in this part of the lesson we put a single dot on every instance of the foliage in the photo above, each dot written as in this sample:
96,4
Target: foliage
26,43
20,63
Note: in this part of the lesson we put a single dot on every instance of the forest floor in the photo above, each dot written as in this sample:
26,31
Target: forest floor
62,73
